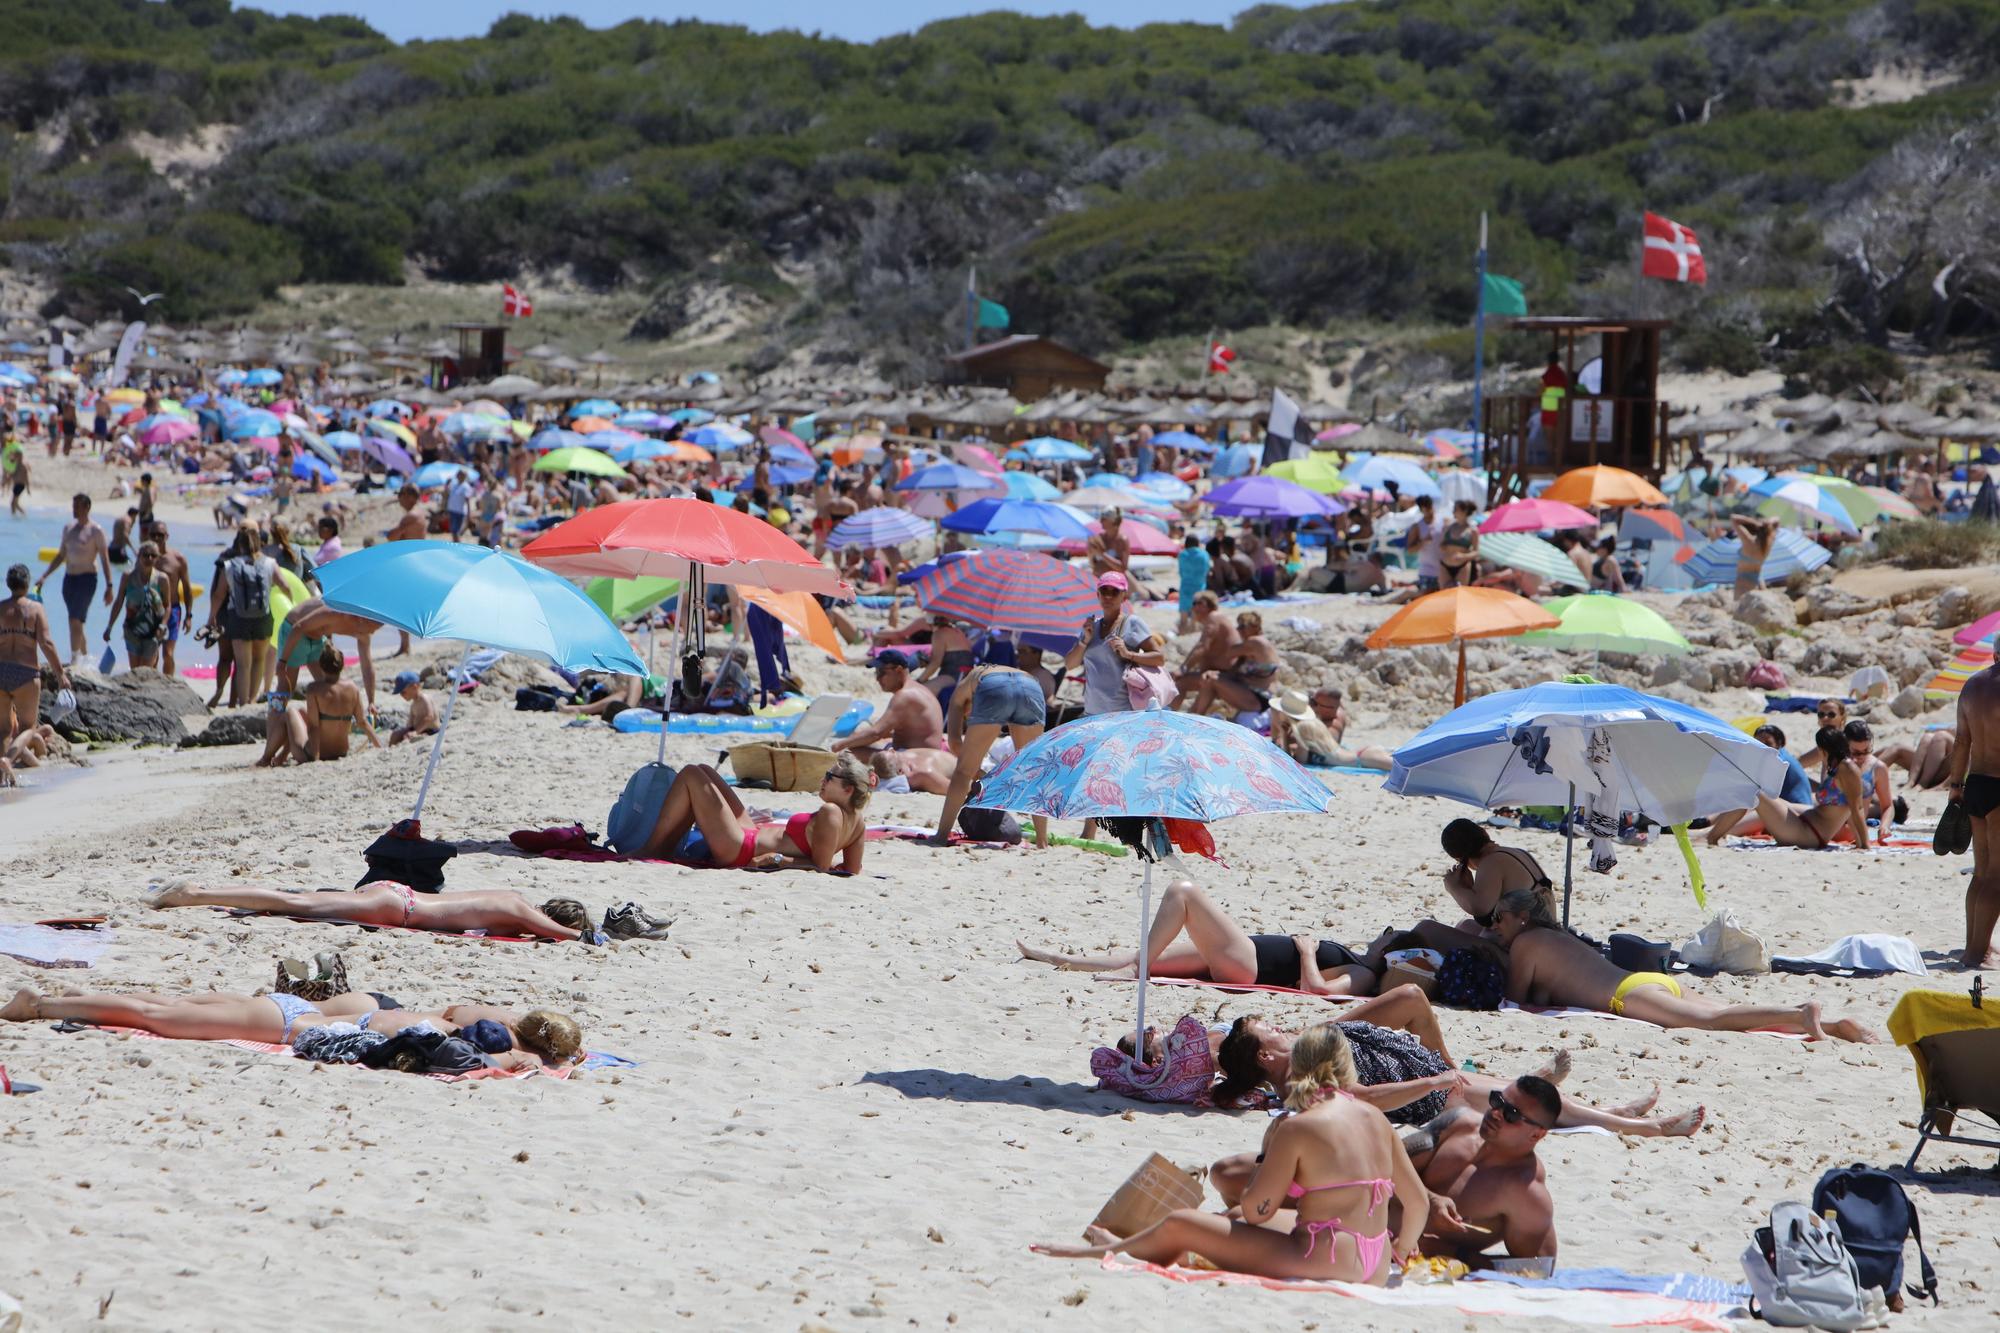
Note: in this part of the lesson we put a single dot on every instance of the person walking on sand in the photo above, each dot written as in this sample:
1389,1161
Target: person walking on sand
14,467
1975,785
82,551
24,629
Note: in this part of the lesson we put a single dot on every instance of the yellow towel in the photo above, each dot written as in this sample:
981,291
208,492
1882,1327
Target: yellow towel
1925,1013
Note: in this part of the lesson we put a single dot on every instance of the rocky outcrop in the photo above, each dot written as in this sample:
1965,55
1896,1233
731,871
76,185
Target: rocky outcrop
1953,606
1826,602
141,705
244,728
1910,702
1765,611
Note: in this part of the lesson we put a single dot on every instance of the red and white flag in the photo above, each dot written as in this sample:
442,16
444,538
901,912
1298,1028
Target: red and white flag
1672,252
514,303
1219,358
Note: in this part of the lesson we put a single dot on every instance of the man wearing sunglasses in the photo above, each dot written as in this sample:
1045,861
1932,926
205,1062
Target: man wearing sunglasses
1486,1183
912,720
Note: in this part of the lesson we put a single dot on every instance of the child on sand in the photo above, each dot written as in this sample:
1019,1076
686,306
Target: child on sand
423,713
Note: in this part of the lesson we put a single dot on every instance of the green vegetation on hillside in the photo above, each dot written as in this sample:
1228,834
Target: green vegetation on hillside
1300,165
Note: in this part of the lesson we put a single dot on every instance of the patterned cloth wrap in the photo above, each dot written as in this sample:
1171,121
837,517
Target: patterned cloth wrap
1188,1074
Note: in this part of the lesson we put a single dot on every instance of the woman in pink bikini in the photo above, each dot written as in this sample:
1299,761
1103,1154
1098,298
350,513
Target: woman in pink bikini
1335,1159
702,820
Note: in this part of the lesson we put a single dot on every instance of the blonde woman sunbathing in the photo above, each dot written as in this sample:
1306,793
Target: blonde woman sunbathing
1335,1159
540,1036
386,903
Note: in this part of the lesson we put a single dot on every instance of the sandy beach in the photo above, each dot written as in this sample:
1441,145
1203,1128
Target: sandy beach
852,1102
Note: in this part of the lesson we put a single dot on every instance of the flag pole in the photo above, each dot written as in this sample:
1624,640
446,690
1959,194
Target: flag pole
971,306
1479,347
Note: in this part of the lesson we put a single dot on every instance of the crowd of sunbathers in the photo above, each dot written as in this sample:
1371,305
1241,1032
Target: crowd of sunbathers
1466,1178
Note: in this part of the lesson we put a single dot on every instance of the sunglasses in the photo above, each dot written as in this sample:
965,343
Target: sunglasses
1509,1112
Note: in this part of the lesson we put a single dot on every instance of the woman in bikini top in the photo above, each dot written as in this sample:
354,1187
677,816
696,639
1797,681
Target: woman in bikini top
1335,1159
1483,870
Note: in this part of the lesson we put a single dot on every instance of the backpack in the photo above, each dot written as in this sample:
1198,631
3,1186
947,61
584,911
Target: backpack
249,586
1875,1218
1801,1275
637,808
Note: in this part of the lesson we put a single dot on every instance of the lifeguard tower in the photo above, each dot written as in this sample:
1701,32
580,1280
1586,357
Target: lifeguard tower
482,355
1611,412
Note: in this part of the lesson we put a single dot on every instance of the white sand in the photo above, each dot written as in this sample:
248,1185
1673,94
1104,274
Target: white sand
854,1103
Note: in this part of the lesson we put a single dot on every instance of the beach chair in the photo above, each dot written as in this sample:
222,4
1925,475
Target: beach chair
815,726
1955,1042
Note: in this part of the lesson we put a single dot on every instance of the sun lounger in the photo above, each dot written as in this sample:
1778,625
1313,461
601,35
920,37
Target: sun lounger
1955,1043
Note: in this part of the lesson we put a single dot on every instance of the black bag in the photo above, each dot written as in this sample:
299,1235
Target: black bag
416,1052
1875,1218
417,862
983,825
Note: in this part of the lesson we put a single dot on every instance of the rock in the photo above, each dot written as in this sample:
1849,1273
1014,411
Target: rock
1694,671
1826,602
1953,607
243,728
1765,611
1910,702
1908,615
140,705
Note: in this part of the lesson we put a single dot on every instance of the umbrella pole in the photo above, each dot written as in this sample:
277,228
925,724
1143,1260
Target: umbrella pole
437,746
674,655
1458,696
1145,925
1569,850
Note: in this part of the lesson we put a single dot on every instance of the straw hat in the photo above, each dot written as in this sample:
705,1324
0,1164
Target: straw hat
1294,705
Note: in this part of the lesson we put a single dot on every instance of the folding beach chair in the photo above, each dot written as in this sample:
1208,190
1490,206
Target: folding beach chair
1955,1042
815,726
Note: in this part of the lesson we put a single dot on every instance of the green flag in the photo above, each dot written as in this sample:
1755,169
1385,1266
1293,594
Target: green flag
992,315
1504,296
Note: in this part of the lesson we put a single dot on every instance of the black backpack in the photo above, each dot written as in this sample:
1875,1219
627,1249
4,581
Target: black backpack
1875,1218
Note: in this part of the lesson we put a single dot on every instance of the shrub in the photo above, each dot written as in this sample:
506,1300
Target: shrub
1932,544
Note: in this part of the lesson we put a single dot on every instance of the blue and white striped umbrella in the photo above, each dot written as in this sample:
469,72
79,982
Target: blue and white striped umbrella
879,527
1797,496
1792,552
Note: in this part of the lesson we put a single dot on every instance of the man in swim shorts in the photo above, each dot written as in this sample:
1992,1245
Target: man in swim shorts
180,602
1486,1183
1975,784
83,548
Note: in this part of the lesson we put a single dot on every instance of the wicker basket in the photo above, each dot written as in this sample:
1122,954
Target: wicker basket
784,766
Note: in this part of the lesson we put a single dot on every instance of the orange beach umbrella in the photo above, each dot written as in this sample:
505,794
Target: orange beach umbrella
1454,615
1599,487
803,613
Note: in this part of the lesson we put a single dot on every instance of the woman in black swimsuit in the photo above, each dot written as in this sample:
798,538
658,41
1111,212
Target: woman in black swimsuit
1218,950
1605,576
1482,870
1458,546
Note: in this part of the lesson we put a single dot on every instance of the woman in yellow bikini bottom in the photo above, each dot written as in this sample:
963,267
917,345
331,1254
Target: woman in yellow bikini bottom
1638,979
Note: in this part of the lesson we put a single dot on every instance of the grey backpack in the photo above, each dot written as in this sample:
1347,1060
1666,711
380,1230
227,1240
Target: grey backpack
1801,1275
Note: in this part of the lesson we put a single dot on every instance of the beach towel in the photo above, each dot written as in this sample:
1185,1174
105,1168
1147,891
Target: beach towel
1614,1309
45,946
440,934
1226,986
1680,1286
1857,956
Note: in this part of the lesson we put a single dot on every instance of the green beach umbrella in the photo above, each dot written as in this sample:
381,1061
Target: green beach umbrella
1607,625
1315,473
625,599
1530,554
578,460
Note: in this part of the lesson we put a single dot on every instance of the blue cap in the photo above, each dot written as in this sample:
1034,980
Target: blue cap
488,1036
405,679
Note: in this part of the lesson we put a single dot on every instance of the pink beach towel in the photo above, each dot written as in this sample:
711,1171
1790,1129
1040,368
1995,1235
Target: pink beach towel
1614,1309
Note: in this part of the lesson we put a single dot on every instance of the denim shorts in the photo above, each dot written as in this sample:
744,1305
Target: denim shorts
1008,698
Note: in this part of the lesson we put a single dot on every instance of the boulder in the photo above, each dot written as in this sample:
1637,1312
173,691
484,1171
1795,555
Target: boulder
1765,610
1908,615
141,705
1694,671
242,728
1910,702
1826,602
1953,606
